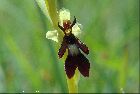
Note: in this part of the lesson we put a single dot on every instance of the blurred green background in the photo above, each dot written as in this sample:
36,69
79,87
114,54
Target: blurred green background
29,61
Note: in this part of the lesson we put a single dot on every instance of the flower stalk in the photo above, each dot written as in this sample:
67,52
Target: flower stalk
51,7
73,82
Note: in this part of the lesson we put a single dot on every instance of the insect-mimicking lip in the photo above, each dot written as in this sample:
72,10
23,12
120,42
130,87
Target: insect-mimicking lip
75,58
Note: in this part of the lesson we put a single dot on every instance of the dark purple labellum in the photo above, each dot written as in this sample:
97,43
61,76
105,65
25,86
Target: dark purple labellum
75,58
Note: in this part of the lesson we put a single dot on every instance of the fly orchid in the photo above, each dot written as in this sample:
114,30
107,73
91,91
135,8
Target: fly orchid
75,58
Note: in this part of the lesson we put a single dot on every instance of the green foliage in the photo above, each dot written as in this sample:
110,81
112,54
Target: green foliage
29,61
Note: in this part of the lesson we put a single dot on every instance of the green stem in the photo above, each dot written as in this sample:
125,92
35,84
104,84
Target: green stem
73,83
